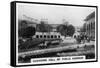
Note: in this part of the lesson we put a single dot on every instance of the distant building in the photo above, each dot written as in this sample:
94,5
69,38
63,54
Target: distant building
46,35
54,27
77,32
50,27
52,34
90,25
26,23
77,29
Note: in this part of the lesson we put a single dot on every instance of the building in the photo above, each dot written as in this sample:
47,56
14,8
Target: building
77,32
54,27
90,25
46,35
26,23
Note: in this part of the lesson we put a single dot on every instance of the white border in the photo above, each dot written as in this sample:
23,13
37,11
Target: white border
53,57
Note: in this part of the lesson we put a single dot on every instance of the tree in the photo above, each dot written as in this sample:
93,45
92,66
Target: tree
24,30
43,27
27,32
70,30
62,29
66,30
22,24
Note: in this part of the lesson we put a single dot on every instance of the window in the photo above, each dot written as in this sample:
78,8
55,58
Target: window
93,25
44,36
40,36
51,36
37,36
58,36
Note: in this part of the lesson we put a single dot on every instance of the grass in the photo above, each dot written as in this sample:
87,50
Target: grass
30,45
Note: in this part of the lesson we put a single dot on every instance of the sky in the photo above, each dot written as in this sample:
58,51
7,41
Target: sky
54,14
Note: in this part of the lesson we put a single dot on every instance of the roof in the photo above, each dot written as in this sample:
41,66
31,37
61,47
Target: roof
92,15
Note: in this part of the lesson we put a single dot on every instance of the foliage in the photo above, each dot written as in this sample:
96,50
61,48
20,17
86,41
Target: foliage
70,30
27,32
43,27
66,30
24,30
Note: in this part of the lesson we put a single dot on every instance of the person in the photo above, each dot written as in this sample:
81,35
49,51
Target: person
78,38
88,39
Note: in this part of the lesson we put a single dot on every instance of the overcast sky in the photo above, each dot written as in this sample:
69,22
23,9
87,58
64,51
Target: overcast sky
54,13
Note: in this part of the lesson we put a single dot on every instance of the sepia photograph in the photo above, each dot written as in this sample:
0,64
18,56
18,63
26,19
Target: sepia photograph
52,33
